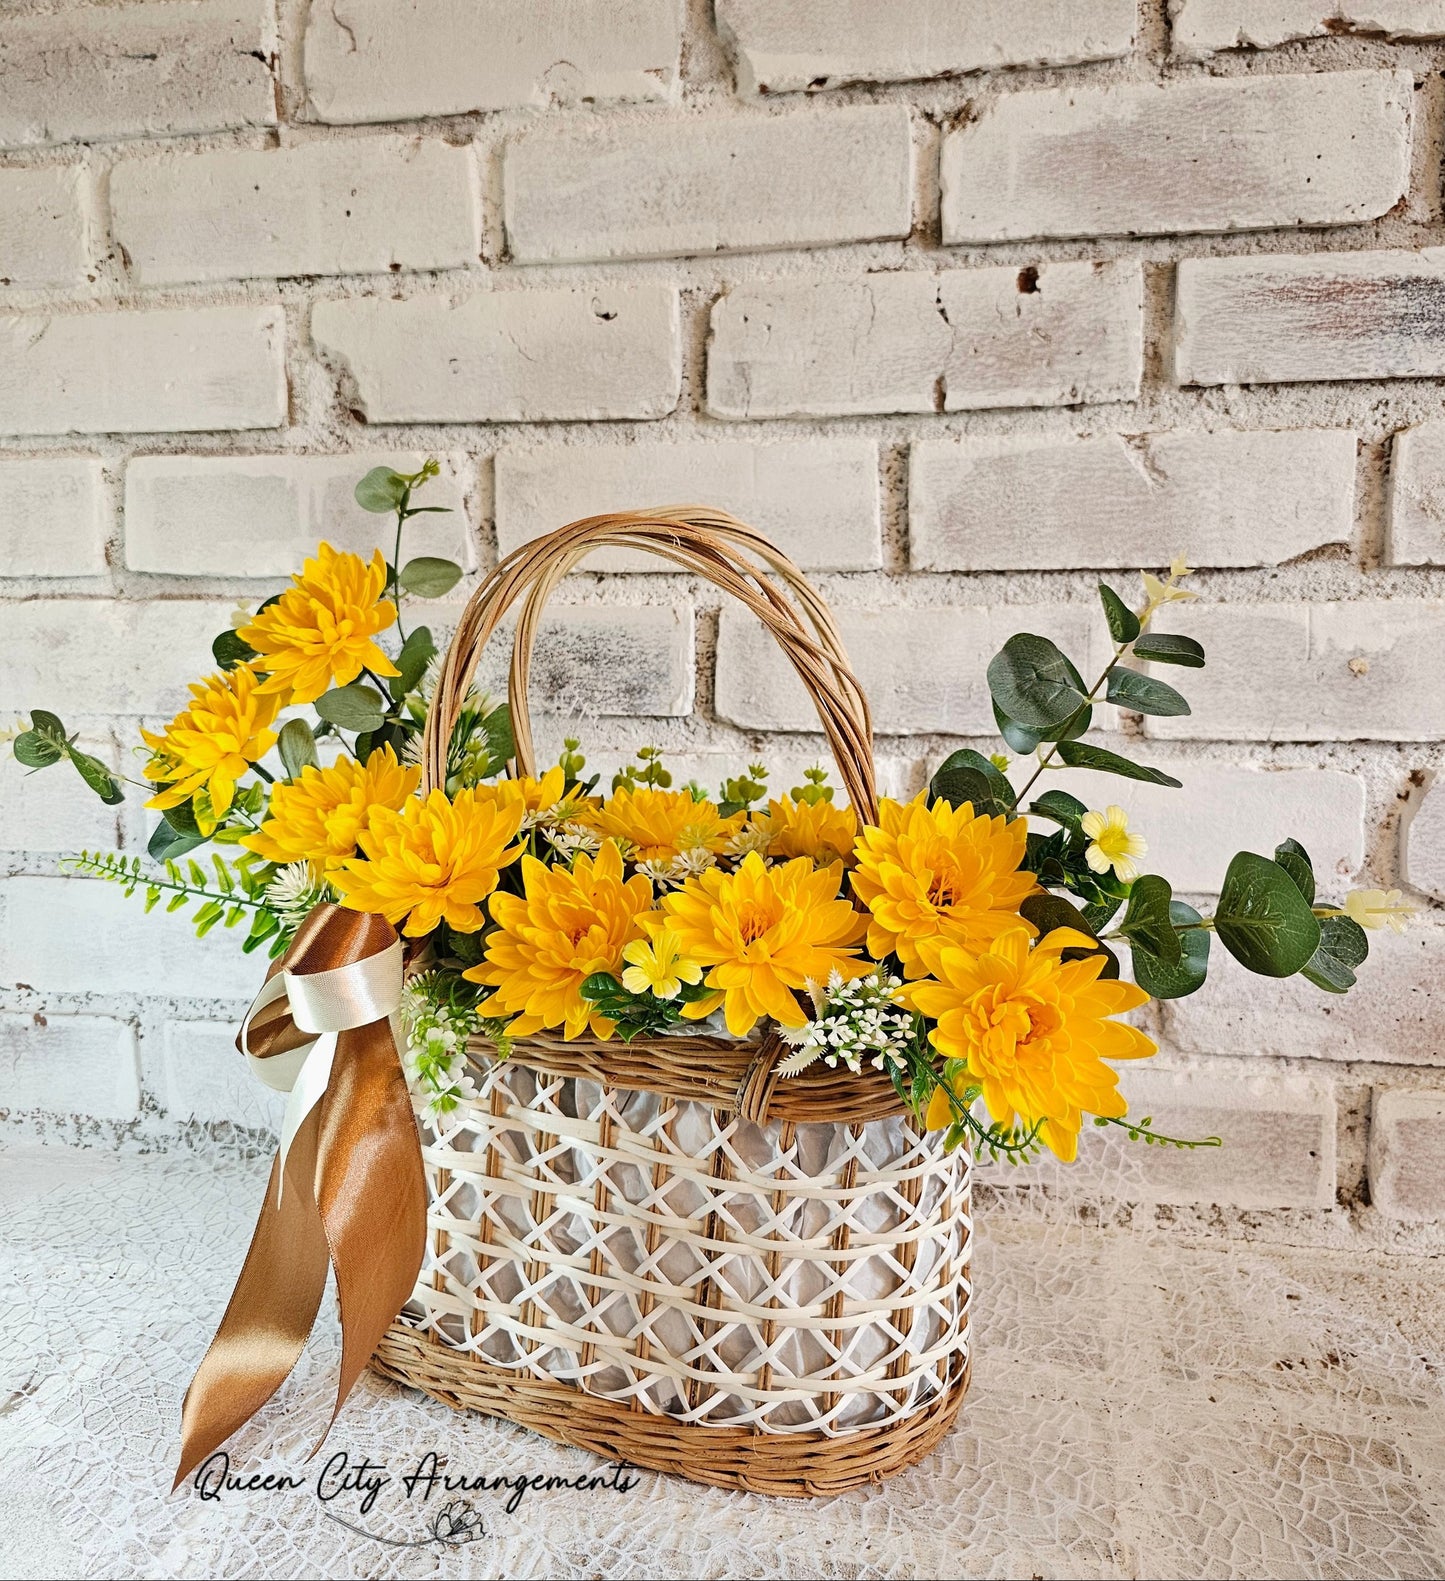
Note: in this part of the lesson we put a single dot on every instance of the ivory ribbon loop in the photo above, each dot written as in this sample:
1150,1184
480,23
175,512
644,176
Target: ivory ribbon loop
323,1029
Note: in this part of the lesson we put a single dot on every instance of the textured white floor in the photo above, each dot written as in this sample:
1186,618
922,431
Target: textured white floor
1141,1407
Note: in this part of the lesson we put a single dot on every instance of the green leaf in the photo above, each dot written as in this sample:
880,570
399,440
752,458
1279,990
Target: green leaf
1143,694
381,491
1034,683
601,985
1161,647
1079,756
1263,920
500,745
182,818
1020,740
417,652
297,746
98,777
968,776
47,724
1295,860
1147,922
1162,981
36,751
167,843
1343,946
229,650
354,707
1123,622
428,577
1060,807
1048,912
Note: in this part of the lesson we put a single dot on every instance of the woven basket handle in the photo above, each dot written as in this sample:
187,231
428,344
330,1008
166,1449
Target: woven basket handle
707,542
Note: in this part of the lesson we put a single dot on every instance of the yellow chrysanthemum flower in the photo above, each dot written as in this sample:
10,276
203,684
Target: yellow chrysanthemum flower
319,817
538,799
1033,1030
658,825
208,746
434,861
763,932
814,829
940,870
319,633
657,966
570,924
1111,844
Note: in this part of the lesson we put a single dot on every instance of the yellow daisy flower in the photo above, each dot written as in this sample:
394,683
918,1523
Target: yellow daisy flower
208,746
658,825
814,829
433,861
571,923
764,933
1111,844
319,817
657,966
929,871
319,633
1033,1030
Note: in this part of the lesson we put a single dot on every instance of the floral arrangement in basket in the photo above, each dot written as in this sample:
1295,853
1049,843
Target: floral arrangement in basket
966,944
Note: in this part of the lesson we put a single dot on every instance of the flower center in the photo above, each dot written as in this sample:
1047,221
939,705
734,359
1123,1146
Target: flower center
753,922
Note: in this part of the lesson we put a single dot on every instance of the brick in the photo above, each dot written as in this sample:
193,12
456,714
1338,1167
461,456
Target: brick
1392,1015
1313,672
816,499
106,656
204,1077
82,936
758,690
1276,319
58,812
509,356
42,226
373,60
53,518
260,516
1207,154
1417,496
785,45
592,659
1278,1134
903,342
69,1065
1407,1154
668,188
183,369
1193,833
96,71
1422,843
354,207
1200,27
1029,502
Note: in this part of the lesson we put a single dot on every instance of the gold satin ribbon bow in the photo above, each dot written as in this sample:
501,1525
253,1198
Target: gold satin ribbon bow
347,1187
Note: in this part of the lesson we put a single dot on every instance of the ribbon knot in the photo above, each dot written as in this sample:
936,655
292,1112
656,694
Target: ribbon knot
323,1029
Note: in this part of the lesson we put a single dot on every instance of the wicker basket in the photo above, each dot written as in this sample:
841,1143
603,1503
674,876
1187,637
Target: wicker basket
660,1251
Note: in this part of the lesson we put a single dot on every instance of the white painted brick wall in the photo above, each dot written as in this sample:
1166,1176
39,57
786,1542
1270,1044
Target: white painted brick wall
1020,502
508,356
42,227
1257,320
785,45
692,185
1407,1154
96,71
1313,672
362,206
53,519
378,60
184,369
816,499
1201,27
260,516
963,342
69,1065
1235,154
967,339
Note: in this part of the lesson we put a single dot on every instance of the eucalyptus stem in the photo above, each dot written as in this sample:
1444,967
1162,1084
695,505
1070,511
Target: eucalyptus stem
1138,1128
1088,702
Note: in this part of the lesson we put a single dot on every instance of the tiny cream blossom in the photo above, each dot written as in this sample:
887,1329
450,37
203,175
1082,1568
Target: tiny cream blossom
852,1022
1111,844
1378,908
751,837
570,839
292,893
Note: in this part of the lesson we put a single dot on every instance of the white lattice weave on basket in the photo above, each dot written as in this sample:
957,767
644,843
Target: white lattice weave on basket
692,1264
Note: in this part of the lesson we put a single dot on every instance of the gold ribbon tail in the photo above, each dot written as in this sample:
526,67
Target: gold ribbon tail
347,1188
